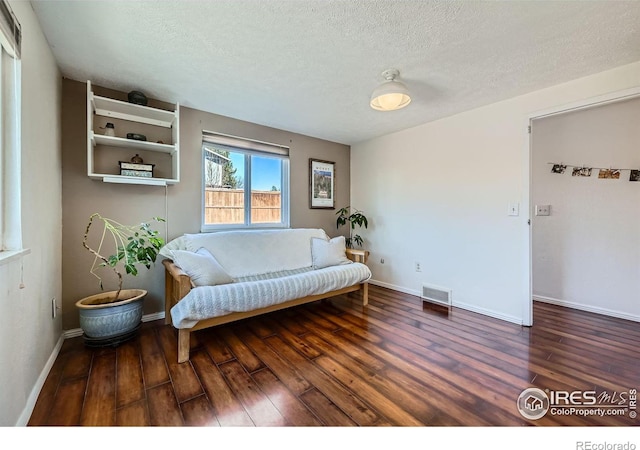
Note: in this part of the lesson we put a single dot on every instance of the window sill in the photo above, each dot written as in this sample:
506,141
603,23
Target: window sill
10,255
214,228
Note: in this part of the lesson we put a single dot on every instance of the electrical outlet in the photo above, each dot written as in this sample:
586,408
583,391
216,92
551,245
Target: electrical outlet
418,268
543,210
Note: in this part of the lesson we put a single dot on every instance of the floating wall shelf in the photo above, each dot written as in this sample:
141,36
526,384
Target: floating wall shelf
104,152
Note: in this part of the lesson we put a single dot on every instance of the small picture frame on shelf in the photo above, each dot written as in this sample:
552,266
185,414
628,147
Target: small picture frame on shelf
322,184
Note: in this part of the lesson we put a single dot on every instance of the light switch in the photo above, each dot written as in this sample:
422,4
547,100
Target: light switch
514,209
543,210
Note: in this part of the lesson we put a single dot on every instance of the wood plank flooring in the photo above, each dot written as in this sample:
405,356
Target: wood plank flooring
396,362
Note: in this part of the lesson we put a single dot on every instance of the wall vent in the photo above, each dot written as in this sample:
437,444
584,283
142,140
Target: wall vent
436,294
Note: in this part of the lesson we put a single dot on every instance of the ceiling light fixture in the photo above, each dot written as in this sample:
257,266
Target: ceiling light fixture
390,95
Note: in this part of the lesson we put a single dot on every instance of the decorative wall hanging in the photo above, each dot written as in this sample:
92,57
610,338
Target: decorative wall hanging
610,174
322,184
603,174
581,172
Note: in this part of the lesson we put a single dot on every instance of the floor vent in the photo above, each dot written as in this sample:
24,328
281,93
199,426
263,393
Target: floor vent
436,294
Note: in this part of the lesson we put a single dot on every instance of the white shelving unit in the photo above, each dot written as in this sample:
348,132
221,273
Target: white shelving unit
105,152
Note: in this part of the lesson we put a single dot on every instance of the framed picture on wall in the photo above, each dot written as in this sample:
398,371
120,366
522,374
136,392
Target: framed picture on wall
322,184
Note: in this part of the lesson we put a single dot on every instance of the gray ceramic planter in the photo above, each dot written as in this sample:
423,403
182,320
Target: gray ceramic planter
104,321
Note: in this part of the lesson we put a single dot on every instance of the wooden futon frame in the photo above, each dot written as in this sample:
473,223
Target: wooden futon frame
178,284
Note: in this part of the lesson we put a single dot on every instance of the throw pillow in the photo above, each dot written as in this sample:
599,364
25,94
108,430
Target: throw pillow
202,267
328,253
178,243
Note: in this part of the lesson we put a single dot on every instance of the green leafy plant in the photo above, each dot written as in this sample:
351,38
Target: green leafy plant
354,218
133,245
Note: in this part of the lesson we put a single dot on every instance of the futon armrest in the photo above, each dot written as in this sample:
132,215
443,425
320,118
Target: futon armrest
176,272
178,275
356,255
177,285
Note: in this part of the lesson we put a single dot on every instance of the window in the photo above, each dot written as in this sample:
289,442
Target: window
245,183
10,212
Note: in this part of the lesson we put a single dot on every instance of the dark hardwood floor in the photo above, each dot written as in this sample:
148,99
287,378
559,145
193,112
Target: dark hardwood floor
335,363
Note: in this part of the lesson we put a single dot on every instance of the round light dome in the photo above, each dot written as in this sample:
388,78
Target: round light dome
391,94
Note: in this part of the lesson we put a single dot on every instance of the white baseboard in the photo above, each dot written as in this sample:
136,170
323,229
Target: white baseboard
587,308
75,332
153,316
23,420
393,287
68,334
461,305
488,312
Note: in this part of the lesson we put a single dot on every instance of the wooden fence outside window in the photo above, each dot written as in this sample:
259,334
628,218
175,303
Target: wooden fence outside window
226,206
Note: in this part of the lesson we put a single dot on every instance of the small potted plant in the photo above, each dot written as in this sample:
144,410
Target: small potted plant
353,218
109,318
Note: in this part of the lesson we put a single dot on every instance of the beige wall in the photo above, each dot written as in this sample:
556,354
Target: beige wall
132,203
28,332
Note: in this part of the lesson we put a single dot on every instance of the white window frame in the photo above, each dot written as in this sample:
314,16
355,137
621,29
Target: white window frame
10,135
248,148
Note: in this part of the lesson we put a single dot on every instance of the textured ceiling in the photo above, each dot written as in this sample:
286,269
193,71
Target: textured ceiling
309,66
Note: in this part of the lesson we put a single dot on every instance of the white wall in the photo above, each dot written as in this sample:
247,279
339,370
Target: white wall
28,334
439,194
586,254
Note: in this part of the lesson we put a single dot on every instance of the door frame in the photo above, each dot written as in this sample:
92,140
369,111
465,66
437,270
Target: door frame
612,97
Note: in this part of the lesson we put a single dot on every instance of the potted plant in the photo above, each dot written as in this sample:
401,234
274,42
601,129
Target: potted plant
354,218
109,318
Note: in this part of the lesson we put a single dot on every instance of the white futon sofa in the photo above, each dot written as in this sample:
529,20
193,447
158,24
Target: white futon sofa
216,278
